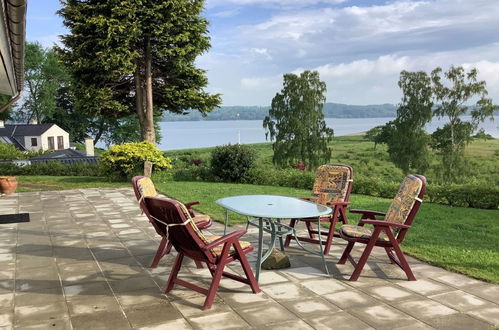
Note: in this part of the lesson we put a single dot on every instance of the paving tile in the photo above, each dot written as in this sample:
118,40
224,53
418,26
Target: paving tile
460,300
424,309
266,314
322,287
87,289
219,321
40,313
390,293
191,307
100,321
350,299
338,321
424,286
178,324
6,317
382,316
39,297
308,307
145,296
61,324
133,283
271,278
244,299
292,325
286,291
490,314
143,315
6,300
486,291
456,280
92,304
459,322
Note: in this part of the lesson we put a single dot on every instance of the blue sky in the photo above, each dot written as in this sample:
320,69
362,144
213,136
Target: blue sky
358,47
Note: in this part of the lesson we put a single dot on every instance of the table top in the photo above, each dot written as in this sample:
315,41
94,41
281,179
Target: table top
271,206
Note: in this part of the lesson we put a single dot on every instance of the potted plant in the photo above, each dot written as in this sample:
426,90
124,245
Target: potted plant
8,184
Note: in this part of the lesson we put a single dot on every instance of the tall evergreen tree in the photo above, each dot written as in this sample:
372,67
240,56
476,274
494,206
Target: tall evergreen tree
408,145
296,121
137,56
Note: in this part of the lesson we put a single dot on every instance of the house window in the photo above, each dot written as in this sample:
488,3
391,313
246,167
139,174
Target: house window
51,143
34,142
60,142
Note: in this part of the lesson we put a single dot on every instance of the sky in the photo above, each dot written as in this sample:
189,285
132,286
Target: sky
358,47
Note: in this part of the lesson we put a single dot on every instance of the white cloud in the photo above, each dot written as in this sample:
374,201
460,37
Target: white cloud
279,3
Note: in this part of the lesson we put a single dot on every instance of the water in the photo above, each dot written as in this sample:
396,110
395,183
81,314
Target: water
199,134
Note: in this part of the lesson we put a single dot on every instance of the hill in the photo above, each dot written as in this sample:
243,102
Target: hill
331,110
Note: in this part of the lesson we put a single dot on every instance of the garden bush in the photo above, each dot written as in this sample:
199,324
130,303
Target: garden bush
53,168
8,151
231,162
127,160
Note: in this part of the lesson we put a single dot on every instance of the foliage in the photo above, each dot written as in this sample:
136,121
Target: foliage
43,76
452,101
380,134
408,145
296,122
231,162
8,151
137,57
53,168
126,160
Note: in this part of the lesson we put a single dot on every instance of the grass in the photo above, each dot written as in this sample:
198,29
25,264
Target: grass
42,183
463,240
482,155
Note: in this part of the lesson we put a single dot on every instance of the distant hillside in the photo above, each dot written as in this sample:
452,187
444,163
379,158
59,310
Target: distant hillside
331,110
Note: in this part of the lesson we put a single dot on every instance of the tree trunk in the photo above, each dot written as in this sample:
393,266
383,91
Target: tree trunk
148,128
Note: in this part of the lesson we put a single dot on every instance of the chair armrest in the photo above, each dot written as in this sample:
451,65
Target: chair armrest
338,203
188,205
368,212
384,223
304,198
223,239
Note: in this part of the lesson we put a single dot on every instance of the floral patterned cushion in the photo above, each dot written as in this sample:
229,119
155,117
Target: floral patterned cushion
146,187
362,232
404,200
217,250
331,184
201,217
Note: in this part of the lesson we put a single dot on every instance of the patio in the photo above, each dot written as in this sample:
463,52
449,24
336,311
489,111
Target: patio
82,263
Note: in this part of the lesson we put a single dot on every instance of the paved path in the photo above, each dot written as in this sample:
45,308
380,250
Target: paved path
82,263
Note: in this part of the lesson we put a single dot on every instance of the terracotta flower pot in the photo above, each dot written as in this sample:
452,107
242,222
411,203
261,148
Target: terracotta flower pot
8,184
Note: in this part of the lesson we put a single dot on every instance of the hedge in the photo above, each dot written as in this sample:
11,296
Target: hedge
53,168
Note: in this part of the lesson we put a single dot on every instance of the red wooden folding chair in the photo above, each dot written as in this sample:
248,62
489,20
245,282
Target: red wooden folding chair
389,232
332,187
173,218
144,187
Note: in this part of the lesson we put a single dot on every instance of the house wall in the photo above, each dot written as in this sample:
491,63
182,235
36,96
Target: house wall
54,131
27,143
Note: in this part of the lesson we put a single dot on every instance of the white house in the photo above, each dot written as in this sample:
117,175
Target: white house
34,136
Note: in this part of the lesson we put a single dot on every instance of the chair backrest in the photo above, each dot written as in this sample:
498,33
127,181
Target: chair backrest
333,183
144,187
185,238
406,203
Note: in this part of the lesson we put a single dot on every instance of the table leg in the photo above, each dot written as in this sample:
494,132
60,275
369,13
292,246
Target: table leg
279,227
260,259
320,244
226,220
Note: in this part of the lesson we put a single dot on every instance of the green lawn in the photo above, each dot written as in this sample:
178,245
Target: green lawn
42,183
464,240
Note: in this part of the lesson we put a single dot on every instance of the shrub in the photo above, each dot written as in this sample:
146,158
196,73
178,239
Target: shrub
8,151
231,162
53,168
126,160
280,177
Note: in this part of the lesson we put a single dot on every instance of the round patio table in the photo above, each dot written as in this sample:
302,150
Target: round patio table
267,212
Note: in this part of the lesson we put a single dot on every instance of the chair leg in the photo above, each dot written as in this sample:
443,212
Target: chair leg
217,276
247,270
346,253
365,255
161,252
330,235
292,223
310,228
198,263
174,273
390,255
403,262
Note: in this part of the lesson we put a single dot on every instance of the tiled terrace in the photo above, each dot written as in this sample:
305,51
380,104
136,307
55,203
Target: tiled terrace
82,263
